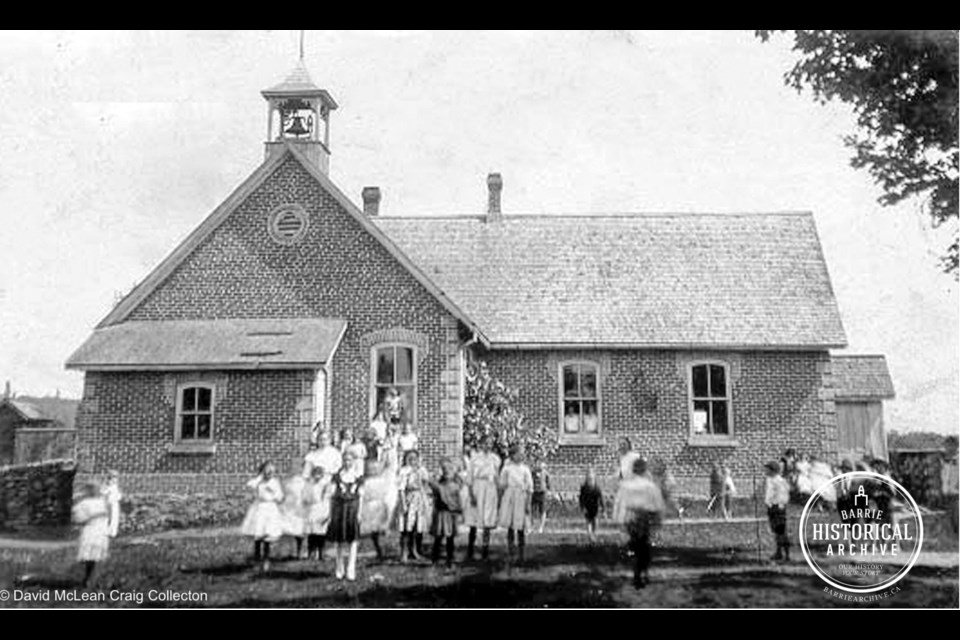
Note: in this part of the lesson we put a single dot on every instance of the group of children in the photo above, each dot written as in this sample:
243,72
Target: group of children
365,495
348,490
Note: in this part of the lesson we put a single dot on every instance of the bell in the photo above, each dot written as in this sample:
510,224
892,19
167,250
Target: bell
297,129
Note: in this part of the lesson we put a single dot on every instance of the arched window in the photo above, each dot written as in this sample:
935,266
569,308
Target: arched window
580,412
710,410
394,375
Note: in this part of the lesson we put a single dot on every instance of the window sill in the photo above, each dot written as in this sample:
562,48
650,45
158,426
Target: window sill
713,441
581,441
192,449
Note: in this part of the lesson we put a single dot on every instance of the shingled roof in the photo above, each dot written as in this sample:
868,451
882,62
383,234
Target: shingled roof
226,344
861,377
670,280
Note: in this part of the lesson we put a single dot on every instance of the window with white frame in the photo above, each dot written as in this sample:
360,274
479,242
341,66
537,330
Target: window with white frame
195,404
710,399
394,378
579,401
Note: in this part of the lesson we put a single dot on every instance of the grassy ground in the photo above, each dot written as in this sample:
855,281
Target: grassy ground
694,566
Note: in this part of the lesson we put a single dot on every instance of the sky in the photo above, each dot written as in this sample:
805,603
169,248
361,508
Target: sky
118,144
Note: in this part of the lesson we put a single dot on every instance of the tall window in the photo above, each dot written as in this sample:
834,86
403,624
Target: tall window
710,399
195,413
395,377
580,401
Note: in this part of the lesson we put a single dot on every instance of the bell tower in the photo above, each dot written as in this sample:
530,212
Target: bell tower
297,110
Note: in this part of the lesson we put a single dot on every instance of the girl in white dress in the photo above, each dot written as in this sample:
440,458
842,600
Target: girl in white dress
93,514
482,476
316,503
414,483
821,473
378,498
264,522
516,482
804,481
292,511
408,440
112,493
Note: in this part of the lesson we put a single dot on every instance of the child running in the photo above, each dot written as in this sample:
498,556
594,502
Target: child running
640,506
516,482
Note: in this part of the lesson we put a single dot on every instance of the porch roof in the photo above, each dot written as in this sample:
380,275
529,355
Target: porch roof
277,343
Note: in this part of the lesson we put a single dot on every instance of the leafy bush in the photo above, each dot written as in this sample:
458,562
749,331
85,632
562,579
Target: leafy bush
490,410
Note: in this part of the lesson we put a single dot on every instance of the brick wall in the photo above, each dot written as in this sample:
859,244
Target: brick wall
778,401
338,271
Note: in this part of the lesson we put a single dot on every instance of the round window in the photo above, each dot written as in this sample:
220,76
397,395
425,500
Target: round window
288,224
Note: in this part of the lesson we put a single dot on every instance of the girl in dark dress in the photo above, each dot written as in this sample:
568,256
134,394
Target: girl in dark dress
591,503
344,527
446,510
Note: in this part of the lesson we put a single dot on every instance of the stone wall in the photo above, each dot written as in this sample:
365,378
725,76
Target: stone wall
36,494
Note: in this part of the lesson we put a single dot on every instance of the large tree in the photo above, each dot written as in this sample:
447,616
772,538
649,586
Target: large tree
903,89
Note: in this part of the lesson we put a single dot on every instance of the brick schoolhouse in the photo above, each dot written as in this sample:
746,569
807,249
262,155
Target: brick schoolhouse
702,337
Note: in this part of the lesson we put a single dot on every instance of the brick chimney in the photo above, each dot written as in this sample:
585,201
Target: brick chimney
371,201
494,188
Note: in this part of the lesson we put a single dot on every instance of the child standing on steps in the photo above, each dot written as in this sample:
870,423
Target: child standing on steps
516,482
92,512
264,522
591,503
413,484
776,496
446,509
